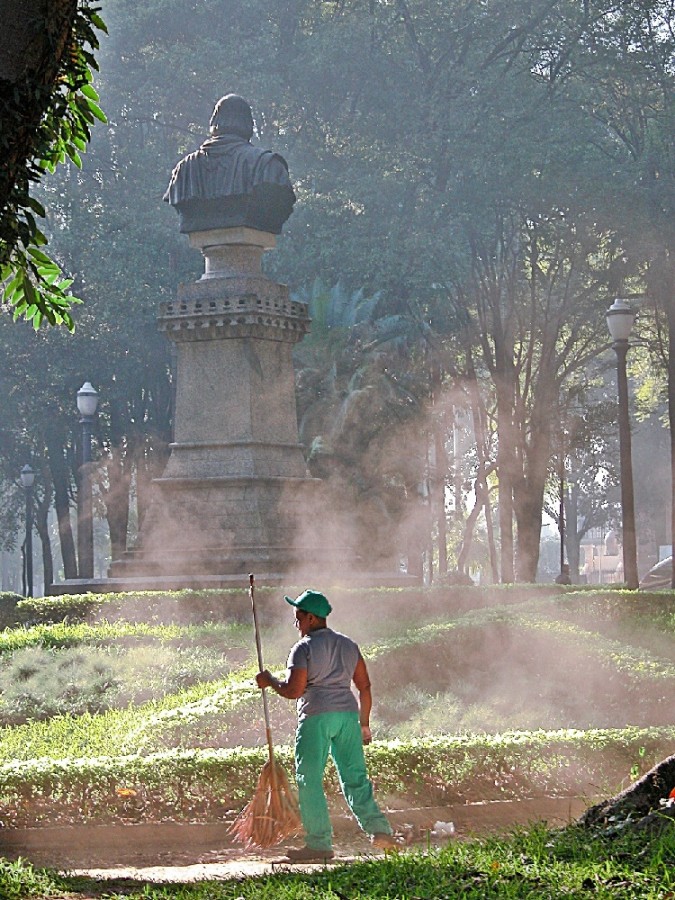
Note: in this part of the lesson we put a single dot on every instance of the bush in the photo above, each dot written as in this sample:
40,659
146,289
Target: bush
233,604
8,608
211,785
63,676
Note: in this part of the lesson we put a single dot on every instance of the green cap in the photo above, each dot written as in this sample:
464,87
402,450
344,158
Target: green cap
311,602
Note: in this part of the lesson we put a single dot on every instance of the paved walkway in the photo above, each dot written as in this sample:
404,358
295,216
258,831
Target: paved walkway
181,853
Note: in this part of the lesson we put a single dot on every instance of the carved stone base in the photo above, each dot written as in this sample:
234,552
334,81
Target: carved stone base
223,526
235,495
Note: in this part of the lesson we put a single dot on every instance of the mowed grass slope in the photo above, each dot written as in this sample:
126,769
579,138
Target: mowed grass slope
529,685
574,661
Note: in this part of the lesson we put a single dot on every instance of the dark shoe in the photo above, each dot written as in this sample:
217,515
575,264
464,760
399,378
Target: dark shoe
309,854
383,841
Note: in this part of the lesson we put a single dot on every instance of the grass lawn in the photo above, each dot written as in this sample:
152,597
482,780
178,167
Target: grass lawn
500,692
534,863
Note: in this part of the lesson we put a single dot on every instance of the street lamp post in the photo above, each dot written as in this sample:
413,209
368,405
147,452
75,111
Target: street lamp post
620,318
27,481
87,401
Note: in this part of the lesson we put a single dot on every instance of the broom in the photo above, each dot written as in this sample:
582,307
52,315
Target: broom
272,814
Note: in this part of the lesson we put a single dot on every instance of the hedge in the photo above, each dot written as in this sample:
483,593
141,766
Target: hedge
232,604
213,785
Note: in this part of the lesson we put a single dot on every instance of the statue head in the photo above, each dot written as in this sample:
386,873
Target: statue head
229,182
232,115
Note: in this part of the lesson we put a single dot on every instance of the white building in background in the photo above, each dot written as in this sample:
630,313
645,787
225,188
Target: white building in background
601,559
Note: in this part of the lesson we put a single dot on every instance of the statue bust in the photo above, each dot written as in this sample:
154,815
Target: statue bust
229,183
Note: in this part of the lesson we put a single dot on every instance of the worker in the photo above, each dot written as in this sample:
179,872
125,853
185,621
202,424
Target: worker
320,670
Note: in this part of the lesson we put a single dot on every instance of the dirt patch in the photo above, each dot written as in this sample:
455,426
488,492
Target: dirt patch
145,854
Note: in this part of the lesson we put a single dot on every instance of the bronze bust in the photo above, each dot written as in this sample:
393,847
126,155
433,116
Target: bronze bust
228,182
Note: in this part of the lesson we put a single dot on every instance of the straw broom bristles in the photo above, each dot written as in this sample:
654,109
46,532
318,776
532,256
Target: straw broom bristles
272,814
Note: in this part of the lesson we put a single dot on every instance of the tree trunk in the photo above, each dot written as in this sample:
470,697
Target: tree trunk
572,535
529,497
638,800
670,307
42,508
505,465
34,34
661,284
117,502
528,519
441,468
116,497
60,480
481,488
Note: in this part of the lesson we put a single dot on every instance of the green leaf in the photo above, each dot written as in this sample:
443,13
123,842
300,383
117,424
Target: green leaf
37,207
14,286
75,156
29,290
97,111
40,257
98,22
89,92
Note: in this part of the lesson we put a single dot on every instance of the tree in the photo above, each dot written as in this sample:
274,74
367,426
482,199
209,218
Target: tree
447,158
47,107
362,393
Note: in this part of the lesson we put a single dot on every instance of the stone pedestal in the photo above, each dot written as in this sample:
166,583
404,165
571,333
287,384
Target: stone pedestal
235,494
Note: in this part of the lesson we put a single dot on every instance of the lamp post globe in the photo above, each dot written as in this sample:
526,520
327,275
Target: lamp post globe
27,480
620,319
87,400
87,403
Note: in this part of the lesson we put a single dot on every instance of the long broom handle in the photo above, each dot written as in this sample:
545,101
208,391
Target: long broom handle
268,730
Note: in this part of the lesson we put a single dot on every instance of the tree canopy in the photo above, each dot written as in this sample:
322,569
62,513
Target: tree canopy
483,177
47,107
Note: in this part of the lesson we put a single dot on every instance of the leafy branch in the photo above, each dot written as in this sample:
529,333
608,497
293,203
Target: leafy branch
46,116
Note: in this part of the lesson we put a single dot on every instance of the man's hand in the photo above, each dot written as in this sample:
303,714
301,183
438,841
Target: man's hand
263,679
366,734
292,688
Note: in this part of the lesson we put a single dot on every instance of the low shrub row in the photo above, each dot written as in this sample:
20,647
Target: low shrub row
232,604
212,785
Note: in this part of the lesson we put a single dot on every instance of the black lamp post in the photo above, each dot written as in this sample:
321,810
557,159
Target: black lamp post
27,481
620,318
87,401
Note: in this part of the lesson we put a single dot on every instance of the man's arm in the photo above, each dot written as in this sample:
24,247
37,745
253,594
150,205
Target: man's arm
291,688
362,682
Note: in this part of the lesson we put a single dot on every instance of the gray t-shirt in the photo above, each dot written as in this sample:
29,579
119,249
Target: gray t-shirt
330,659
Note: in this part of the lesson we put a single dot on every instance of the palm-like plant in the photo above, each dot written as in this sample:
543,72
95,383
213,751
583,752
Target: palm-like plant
362,386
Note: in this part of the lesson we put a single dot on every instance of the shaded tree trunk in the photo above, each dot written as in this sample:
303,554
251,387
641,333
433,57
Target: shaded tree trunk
638,800
481,487
42,508
669,291
34,35
60,480
441,469
661,281
116,496
505,465
529,500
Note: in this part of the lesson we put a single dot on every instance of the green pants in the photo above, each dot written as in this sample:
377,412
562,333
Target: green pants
337,733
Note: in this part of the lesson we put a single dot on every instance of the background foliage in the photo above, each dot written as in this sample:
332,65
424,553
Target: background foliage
479,181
